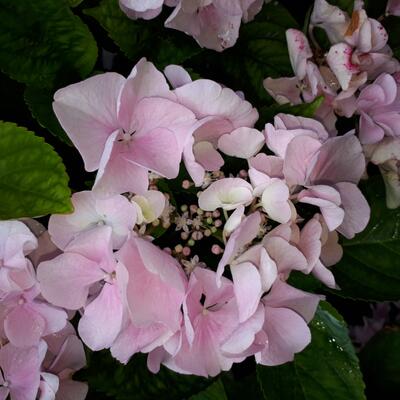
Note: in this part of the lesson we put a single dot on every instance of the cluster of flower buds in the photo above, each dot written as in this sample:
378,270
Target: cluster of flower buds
357,76
213,23
39,350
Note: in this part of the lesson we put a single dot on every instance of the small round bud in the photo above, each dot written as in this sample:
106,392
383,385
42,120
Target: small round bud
216,214
191,242
197,235
184,208
207,232
215,249
184,235
218,223
186,184
186,251
178,248
213,229
209,220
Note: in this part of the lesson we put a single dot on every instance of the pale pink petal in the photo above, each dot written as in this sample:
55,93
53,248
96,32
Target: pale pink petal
310,242
16,241
332,19
393,7
340,159
177,75
162,130
275,201
331,251
143,81
21,368
298,159
227,193
287,334
101,321
271,166
65,280
268,270
121,175
241,236
142,5
234,220
294,122
339,60
324,275
156,285
299,51
71,356
283,90
243,337
286,256
329,201
206,155
151,203
48,386
88,113
95,245
91,210
195,170
247,287
242,142
55,318
284,295
72,390
205,97
24,326
134,339
357,210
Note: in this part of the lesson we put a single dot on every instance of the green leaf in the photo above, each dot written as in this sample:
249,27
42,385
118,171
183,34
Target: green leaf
267,113
246,387
33,180
215,391
369,268
143,38
74,3
380,364
326,370
134,381
260,52
39,102
43,42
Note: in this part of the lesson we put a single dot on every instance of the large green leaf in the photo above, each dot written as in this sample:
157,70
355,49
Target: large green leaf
215,391
326,370
33,180
380,363
370,267
42,41
144,38
107,376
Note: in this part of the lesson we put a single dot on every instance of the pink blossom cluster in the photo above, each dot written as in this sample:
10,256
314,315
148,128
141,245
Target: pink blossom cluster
357,76
39,350
213,23
136,297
